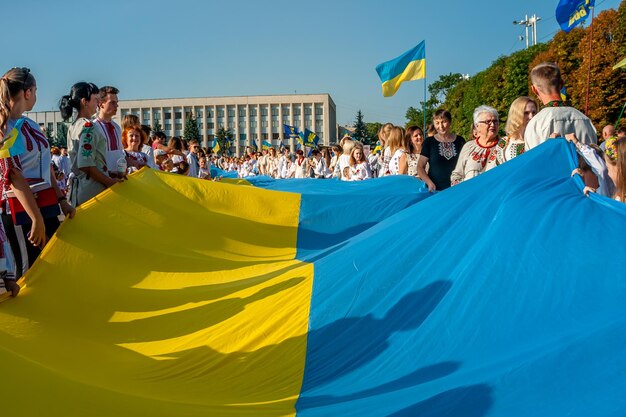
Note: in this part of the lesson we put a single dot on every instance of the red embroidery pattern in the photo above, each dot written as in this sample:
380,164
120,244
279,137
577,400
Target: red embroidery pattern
111,135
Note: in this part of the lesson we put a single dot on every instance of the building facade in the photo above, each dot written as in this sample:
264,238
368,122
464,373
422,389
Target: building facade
250,119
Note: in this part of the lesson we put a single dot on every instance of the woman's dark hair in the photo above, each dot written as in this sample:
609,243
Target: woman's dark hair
79,91
443,114
409,133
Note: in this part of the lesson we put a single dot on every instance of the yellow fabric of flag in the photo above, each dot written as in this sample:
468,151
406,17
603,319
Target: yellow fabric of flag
164,296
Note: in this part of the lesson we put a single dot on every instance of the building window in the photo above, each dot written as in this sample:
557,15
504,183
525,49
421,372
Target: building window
178,115
209,114
263,123
198,114
253,123
274,123
307,111
220,113
285,111
242,112
296,111
210,125
156,115
168,115
274,111
168,126
319,110
231,112
242,125
231,121
146,114
179,126
263,111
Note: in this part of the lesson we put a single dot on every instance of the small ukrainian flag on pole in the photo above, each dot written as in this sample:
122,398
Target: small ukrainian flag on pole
409,66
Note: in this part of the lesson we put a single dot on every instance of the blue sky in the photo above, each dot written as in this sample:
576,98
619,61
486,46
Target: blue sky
187,48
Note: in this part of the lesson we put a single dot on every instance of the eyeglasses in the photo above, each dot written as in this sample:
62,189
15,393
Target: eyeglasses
488,122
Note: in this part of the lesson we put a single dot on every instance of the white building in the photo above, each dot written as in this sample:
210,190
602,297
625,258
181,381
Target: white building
249,118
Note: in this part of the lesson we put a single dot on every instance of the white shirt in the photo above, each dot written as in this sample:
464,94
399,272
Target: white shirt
562,120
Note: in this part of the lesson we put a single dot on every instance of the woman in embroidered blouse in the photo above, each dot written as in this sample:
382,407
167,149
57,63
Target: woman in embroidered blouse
27,176
300,167
479,155
440,152
359,166
415,139
396,143
87,146
522,110
132,140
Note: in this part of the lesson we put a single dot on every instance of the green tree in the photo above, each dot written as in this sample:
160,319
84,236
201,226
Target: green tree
415,116
438,91
157,126
223,136
607,88
50,136
61,135
191,130
372,132
360,130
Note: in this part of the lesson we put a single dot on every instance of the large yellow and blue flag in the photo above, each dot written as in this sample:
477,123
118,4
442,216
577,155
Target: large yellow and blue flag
409,66
216,146
570,13
282,313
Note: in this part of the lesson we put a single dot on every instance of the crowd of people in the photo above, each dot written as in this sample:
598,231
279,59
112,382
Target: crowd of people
41,184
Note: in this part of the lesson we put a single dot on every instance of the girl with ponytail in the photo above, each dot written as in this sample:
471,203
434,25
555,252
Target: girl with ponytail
31,198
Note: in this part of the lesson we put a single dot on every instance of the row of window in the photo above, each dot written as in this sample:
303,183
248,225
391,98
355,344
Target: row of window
276,141
178,113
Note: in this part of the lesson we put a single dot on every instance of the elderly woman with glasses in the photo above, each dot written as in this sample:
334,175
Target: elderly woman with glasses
479,155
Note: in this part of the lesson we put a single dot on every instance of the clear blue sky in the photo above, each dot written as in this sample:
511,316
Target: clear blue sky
187,48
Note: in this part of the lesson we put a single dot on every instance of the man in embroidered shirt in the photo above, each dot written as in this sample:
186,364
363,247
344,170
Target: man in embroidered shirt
110,130
557,118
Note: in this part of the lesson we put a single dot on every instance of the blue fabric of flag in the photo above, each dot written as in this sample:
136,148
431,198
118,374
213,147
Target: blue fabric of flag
570,13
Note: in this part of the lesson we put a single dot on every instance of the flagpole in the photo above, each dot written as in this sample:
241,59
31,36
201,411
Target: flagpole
424,108
589,67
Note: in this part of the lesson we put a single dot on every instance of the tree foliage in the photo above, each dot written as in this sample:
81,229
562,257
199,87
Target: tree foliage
223,136
438,91
372,132
508,77
156,127
61,134
191,129
360,130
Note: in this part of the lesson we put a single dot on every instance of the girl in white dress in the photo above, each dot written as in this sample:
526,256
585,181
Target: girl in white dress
359,166
398,164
